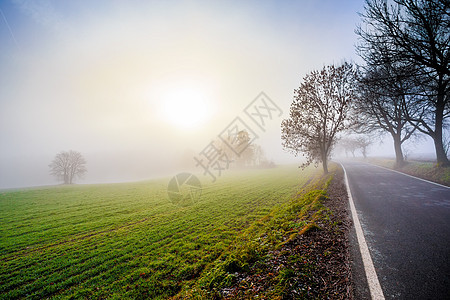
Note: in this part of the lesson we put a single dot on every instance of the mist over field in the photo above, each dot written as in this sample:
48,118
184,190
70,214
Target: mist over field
193,149
133,85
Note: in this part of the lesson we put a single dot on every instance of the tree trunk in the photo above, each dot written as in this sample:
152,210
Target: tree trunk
325,161
441,156
324,154
325,166
399,160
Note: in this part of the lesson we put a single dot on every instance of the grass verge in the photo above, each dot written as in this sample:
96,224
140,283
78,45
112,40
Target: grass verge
422,169
297,251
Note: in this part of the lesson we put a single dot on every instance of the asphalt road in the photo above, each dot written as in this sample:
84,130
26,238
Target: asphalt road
406,224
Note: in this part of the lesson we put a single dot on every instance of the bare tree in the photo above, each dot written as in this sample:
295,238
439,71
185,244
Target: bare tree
416,34
446,142
319,112
67,165
363,143
240,151
382,106
349,145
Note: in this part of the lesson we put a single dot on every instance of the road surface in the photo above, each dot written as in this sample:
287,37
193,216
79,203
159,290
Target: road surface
406,225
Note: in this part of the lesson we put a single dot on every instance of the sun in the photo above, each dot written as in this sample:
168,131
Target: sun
185,107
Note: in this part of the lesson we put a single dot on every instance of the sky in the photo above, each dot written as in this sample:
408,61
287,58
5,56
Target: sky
134,85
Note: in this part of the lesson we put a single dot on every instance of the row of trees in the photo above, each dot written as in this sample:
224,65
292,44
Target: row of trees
405,78
242,152
401,89
235,150
353,144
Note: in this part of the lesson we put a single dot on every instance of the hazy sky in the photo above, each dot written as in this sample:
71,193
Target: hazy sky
133,84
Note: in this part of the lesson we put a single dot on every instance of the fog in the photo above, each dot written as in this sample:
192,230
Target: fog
133,85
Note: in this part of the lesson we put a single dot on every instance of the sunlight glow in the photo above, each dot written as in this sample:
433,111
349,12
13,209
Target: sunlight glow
185,107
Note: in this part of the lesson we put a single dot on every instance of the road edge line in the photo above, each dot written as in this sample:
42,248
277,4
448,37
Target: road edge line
376,292
412,176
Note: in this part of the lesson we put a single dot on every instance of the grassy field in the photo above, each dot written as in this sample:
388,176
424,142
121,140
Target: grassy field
128,240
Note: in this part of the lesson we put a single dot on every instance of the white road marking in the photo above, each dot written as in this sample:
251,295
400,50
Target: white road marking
372,279
438,184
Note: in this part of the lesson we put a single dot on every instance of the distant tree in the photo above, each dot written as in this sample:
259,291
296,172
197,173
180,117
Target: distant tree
67,165
319,112
349,145
237,148
363,143
240,151
446,142
244,148
414,33
258,155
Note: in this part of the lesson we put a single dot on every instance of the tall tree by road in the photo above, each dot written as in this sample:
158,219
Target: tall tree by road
416,34
67,165
319,112
382,105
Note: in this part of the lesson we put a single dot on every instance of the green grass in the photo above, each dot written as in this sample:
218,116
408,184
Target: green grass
121,241
252,251
421,169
